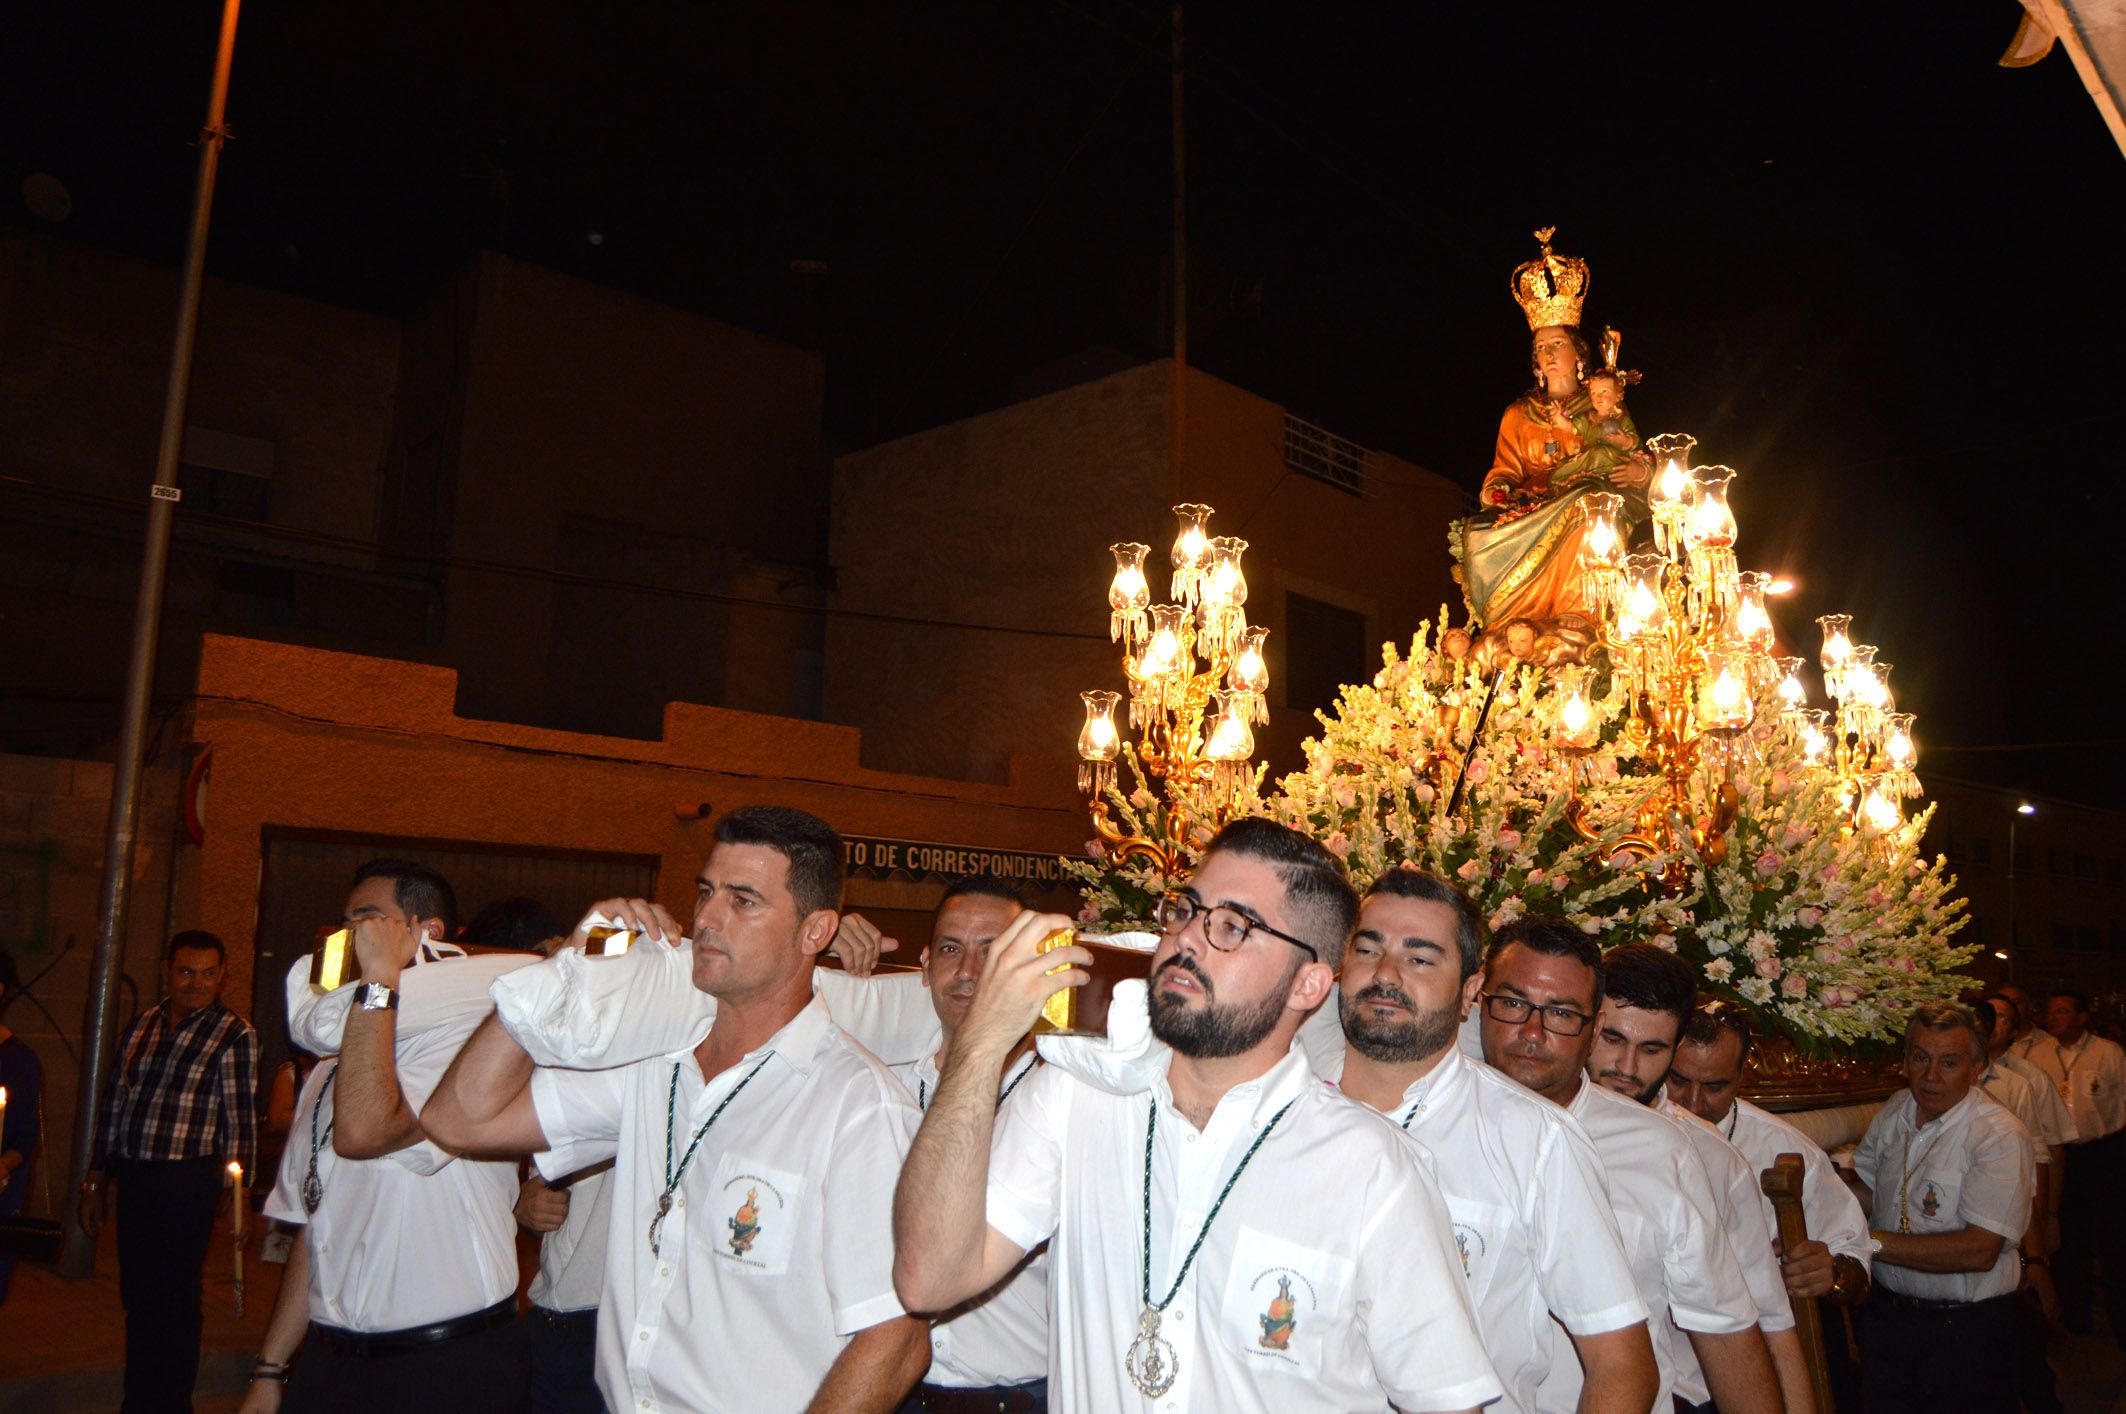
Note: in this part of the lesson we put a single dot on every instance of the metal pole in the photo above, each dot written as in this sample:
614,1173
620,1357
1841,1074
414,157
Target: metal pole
78,1257
1179,408
2015,954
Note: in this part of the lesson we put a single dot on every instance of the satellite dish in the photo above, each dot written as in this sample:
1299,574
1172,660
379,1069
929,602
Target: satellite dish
47,197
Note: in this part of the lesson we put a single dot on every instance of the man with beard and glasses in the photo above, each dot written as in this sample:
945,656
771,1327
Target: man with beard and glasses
1532,1220
1226,1232
991,1354
1542,984
1647,995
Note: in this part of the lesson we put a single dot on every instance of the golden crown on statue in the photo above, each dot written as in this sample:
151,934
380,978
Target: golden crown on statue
1551,290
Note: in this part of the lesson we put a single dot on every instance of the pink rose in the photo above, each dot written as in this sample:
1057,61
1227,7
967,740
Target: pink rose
1781,781
1809,917
1509,839
1769,968
1536,876
1795,985
1095,850
1337,844
1468,872
1478,769
1769,862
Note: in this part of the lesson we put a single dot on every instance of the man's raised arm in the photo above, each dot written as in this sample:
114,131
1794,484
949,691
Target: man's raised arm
484,1103
945,1251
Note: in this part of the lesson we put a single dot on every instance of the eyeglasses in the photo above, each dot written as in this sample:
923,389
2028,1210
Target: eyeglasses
1557,1020
1224,928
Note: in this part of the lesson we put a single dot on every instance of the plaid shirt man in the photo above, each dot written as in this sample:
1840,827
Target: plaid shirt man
186,1091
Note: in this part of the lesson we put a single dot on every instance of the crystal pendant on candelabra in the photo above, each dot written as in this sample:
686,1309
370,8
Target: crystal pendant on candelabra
1153,672
1223,595
1837,651
1900,756
1709,541
1643,611
1099,743
1249,676
1860,707
1671,452
1723,692
1129,595
1753,621
1577,728
1601,552
1228,741
1812,734
1792,692
1879,811
1192,548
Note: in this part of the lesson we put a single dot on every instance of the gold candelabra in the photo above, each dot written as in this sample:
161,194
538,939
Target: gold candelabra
1692,640
1197,678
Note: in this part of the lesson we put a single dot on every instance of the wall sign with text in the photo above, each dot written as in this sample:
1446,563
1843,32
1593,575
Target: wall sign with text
923,859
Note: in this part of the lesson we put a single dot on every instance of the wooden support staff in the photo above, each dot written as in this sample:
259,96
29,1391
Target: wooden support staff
1782,1184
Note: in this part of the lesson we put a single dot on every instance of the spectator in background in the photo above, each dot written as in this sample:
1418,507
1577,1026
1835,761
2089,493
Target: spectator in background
22,1076
181,1105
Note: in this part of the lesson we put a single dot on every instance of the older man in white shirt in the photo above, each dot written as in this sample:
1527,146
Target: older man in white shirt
1542,985
749,1257
1227,1233
1531,1212
1949,1176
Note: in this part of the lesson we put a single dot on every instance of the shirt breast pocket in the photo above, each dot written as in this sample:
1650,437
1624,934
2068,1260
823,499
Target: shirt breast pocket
754,1211
1930,1202
1284,1303
1479,1228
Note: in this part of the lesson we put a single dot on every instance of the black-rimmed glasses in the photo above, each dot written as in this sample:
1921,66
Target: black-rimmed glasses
1514,1011
1224,927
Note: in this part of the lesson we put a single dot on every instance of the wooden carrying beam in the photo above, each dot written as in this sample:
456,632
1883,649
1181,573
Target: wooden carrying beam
1782,1184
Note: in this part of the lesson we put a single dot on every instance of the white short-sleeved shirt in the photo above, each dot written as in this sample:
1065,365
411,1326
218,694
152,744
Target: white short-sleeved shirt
779,1241
1532,1220
2015,1094
572,1257
1001,1337
1330,1279
1672,1230
1834,1214
1746,1216
412,1238
2090,1076
1970,1167
2055,1123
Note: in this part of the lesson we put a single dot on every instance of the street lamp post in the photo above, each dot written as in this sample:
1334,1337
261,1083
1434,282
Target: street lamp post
78,1257
2015,955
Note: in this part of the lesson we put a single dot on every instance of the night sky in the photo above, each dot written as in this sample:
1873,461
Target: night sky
1862,263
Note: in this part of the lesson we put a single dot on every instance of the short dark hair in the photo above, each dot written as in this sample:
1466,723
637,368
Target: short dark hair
1947,1016
415,888
2067,989
808,843
982,886
199,940
1322,901
1552,936
1405,881
1650,978
518,924
1706,1024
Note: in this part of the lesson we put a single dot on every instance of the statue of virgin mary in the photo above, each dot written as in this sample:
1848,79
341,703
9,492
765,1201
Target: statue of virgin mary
1519,554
